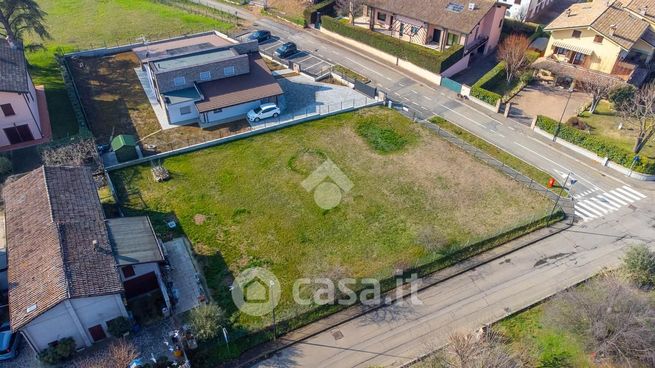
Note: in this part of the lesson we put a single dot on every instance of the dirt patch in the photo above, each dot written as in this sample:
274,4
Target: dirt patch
199,219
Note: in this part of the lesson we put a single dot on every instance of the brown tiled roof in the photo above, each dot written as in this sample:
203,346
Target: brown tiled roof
53,216
256,85
638,5
436,11
601,17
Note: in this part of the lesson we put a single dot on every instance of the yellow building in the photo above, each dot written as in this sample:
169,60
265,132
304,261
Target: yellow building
613,37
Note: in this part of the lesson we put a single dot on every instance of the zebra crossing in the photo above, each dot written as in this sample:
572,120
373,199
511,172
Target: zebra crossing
589,205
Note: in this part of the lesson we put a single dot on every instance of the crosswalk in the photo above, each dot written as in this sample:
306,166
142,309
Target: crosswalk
589,206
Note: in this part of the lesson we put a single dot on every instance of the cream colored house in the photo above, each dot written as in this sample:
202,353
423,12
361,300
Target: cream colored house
613,37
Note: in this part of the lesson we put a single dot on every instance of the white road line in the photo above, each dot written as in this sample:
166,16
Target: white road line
313,65
633,191
592,204
427,98
589,209
615,198
604,202
627,194
621,195
367,68
583,217
584,212
471,120
559,152
555,163
306,58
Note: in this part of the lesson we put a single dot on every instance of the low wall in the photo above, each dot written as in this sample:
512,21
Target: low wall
434,78
604,161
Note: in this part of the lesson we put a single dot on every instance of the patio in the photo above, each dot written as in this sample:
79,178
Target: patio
540,98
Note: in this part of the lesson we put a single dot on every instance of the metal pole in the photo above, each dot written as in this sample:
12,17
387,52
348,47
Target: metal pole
559,124
558,198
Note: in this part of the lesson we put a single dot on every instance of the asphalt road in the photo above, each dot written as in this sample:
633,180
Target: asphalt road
396,334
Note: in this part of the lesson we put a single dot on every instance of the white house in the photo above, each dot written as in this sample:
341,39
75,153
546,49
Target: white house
525,9
23,110
207,79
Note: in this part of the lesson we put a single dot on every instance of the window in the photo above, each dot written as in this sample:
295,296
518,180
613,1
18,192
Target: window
205,76
7,110
229,71
217,111
598,39
19,134
576,34
128,271
453,39
560,51
185,110
578,58
517,2
179,81
382,17
414,30
402,29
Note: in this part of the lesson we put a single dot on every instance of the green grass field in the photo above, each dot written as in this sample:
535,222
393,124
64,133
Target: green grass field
415,198
82,24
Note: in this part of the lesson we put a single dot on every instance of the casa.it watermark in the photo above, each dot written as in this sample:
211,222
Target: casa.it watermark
328,183
257,291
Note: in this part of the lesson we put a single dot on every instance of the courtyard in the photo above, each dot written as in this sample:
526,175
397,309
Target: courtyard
540,98
415,199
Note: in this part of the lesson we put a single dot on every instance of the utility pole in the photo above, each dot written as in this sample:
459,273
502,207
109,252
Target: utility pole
558,198
559,125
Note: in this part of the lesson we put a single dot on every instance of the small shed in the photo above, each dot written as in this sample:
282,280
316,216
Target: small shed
124,146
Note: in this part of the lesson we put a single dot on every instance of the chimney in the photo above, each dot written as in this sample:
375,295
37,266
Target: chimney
613,28
568,12
472,6
644,10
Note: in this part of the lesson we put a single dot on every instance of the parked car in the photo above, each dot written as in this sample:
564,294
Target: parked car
8,342
260,36
286,50
264,111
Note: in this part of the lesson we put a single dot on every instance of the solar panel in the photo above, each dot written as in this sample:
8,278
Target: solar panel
455,7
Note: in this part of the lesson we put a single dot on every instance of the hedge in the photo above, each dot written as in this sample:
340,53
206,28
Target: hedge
421,56
479,91
515,26
308,11
597,144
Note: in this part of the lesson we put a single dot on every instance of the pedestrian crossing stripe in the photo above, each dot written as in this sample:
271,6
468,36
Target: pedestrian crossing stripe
589,206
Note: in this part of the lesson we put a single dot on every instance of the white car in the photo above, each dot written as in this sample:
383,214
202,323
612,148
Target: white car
265,111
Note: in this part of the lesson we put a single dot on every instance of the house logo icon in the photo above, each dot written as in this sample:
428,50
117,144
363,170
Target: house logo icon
327,194
256,291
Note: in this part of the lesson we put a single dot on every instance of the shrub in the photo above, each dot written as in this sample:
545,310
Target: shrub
63,350
597,144
5,166
479,89
621,94
639,266
515,26
423,57
206,321
119,326
323,6
381,139
576,122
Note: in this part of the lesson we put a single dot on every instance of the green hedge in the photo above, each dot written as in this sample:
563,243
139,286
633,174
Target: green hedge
323,6
421,56
479,91
515,26
596,144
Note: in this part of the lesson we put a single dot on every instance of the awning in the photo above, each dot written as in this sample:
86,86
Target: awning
579,49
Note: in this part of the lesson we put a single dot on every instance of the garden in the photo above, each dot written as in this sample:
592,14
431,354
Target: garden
416,200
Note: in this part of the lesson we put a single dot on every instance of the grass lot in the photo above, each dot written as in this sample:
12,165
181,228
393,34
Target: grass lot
604,122
289,9
415,198
84,24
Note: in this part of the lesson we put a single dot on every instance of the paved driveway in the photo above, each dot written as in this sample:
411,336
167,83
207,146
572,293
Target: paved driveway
309,63
542,99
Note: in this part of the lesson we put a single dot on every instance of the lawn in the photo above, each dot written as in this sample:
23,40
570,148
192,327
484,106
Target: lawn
82,24
415,198
289,9
604,122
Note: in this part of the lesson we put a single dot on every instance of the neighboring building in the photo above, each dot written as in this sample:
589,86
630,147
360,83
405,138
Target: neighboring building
63,276
24,117
523,10
612,37
207,79
440,24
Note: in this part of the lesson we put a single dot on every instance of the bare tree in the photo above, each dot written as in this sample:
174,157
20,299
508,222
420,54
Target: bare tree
512,52
638,112
598,86
18,17
119,353
485,350
80,153
613,319
350,8
522,14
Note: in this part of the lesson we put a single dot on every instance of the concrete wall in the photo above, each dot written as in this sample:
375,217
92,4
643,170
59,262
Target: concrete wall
176,117
492,27
604,54
142,269
231,113
27,113
72,318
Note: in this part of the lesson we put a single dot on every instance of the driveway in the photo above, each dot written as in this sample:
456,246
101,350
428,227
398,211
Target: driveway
548,100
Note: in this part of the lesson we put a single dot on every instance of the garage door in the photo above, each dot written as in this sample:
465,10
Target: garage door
140,285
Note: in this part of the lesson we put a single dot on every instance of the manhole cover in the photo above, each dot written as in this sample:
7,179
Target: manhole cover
337,334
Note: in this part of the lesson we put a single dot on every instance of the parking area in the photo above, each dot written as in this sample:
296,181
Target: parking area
309,63
540,98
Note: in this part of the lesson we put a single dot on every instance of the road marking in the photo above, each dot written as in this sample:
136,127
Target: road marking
584,218
615,198
622,196
307,58
586,204
606,203
555,163
634,191
367,68
589,209
628,194
471,120
313,65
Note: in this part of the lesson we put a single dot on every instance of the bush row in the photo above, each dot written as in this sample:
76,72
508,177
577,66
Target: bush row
596,144
479,91
326,7
426,58
515,26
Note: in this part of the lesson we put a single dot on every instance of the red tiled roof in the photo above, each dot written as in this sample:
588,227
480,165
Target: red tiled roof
53,217
259,83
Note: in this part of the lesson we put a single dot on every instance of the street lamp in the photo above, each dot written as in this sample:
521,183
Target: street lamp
559,196
559,125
